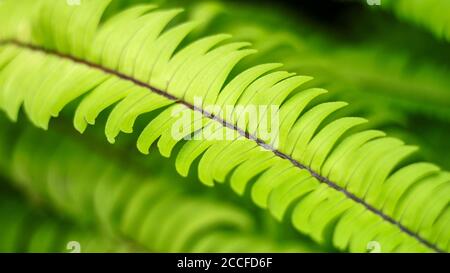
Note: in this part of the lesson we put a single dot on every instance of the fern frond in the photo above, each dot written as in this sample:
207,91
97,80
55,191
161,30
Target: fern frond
373,73
393,86
143,211
346,186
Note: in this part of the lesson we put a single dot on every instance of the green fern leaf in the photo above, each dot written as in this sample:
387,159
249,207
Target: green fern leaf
144,212
111,61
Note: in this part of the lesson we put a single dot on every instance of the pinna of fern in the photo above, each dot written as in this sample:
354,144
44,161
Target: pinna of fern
337,183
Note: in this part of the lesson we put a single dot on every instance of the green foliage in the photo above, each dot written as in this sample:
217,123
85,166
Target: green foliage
28,230
391,85
333,176
126,205
431,14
